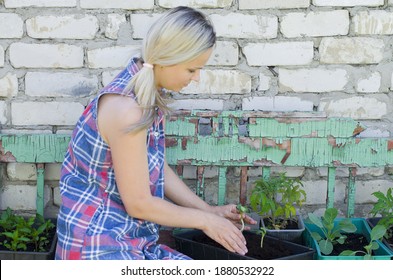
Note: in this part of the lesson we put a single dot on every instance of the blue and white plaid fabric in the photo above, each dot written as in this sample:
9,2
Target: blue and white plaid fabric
92,221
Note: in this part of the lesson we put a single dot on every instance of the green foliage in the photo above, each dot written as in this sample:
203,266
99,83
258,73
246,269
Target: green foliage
376,234
276,198
384,208
331,232
19,233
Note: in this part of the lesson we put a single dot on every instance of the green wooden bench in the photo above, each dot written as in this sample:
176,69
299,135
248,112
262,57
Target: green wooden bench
241,139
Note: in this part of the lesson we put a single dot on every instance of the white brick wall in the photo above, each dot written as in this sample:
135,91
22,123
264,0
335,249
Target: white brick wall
39,3
110,4
196,3
272,55
24,55
8,85
312,80
273,4
351,50
13,27
60,84
66,27
348,3
44,113
373,23
282,53
315,24
239,25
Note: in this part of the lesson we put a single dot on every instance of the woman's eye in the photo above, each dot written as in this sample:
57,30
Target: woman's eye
191,71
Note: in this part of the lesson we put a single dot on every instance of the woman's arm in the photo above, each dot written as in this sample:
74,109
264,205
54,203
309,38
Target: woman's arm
178,192
129,156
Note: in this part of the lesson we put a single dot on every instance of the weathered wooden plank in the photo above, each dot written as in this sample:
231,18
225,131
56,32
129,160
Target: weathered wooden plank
309,152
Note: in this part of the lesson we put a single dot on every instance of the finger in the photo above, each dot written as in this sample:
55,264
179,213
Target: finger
239,246
250,220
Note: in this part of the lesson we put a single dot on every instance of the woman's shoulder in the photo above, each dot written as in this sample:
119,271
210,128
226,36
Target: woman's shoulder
117,112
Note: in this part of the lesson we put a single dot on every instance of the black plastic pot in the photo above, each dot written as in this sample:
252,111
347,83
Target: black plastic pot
186,244
27,255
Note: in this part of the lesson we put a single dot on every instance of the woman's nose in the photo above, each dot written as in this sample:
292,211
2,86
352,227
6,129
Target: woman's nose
196,76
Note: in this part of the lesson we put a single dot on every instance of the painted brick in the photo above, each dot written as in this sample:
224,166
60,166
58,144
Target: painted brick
190,172
344,172
316,191
277,103
60,84
56,197
65,27
312,80
45,56
39,3
141,23
220,82
1,56
264,82
360,50
348,3
373,23
237,25
112,57
8,85
314,24
273,4
21,197
356,107
282,53
370,84
225,53
197,104
364,190
108,76
50,113
196,3
52,171
110,4
12,26
21,171
114,21
3,114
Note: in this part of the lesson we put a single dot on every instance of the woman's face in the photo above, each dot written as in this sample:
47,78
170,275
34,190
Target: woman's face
178,76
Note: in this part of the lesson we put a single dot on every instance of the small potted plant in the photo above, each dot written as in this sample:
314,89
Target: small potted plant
277,201
336,238
382,213
22,238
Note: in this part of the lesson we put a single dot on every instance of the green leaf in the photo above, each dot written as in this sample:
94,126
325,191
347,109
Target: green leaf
315,220
378,232
325,246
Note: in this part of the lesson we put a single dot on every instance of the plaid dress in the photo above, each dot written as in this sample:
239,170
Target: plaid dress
92,221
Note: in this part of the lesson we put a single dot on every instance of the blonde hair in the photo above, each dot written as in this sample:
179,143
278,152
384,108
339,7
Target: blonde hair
179,36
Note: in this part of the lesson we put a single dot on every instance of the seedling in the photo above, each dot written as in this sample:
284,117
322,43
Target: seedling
276,198
21,233
376,234
242,210
331,232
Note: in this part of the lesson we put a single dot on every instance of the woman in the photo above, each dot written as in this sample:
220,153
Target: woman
114,175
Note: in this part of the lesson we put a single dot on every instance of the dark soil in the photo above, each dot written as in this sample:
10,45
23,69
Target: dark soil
271,249
354,242
289,224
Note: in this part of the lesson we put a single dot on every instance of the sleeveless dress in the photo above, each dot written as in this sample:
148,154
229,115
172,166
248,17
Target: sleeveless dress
92,221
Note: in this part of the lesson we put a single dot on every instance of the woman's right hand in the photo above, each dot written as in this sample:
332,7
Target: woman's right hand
226,233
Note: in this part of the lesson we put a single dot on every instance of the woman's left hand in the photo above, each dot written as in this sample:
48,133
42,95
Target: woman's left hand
230,212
